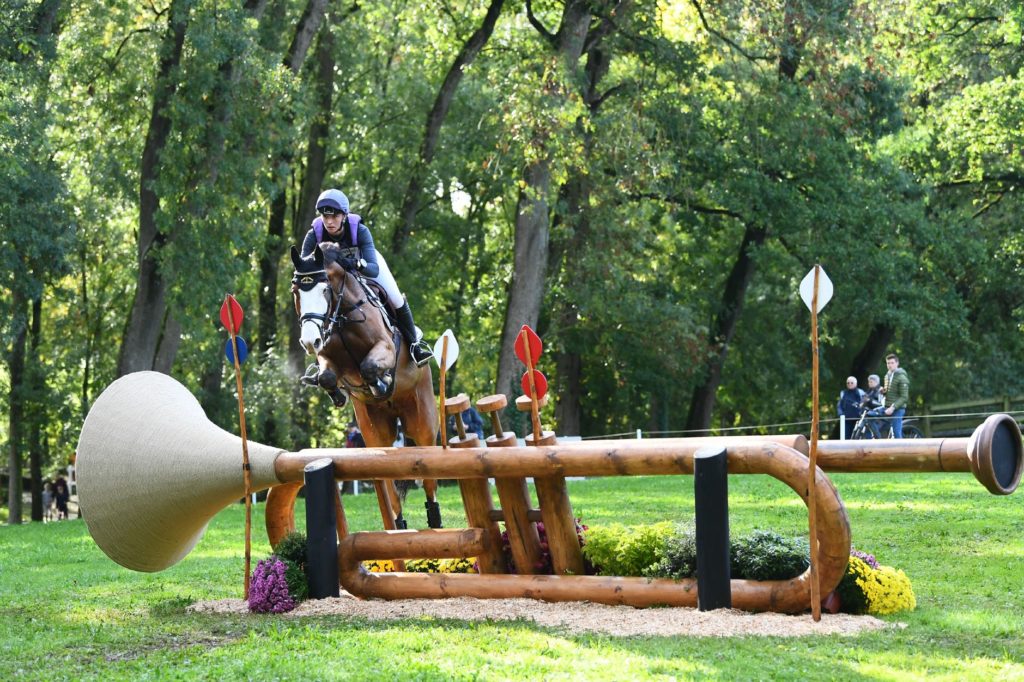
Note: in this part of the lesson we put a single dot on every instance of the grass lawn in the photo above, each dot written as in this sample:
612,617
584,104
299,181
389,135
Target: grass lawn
68,612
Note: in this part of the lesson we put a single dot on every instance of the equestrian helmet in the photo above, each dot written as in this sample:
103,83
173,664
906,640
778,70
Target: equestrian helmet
332,201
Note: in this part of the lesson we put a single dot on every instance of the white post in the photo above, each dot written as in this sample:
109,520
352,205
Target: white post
842,427
639,434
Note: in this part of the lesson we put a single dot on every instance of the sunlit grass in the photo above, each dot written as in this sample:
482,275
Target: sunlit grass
65,602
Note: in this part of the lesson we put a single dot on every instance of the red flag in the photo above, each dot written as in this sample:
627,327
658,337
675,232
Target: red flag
236,314
536,347
539,381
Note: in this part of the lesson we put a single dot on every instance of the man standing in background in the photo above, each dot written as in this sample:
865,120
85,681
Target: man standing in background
897,393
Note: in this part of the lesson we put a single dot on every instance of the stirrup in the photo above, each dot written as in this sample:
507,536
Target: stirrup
420,353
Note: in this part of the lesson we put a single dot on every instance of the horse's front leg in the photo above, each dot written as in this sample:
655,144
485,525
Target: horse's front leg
328,380
377,368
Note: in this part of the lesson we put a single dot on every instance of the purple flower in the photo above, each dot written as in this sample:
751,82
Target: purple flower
268,589
869,559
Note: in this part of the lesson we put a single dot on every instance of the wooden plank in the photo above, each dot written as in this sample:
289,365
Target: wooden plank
522,531
559,525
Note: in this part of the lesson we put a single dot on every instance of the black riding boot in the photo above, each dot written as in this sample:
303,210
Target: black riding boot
419,350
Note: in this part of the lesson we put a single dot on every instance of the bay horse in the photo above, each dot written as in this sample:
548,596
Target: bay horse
346,326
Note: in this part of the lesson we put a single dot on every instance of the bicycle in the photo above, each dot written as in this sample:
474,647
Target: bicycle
865,429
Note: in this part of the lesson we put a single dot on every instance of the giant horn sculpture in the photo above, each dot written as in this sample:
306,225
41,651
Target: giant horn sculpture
153,471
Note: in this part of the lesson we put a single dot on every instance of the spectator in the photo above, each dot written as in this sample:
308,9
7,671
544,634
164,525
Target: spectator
473,421
897,393
61,496
47,501
354,439
850,399
873,396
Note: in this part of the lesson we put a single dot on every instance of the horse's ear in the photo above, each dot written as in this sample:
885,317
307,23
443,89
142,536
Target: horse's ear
318,256
296,259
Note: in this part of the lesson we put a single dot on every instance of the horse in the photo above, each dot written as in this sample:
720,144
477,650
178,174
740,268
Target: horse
344,323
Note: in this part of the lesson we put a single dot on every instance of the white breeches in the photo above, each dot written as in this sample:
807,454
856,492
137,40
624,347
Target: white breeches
387,280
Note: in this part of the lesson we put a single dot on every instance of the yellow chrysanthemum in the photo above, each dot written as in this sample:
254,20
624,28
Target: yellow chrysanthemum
888,590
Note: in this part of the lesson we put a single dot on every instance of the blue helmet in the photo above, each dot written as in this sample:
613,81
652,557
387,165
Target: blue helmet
332,201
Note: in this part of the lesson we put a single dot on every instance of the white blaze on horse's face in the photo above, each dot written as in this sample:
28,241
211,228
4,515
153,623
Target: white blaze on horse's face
313,302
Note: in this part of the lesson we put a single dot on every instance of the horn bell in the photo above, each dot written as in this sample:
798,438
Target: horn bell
153,470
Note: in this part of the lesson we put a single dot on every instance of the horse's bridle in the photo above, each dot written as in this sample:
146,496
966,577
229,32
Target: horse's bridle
335,316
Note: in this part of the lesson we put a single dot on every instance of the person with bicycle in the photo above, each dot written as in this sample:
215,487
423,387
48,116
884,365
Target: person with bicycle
849,403
897,393
871,405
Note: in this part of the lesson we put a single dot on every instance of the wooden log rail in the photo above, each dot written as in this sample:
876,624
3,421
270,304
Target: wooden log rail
993,454
674,457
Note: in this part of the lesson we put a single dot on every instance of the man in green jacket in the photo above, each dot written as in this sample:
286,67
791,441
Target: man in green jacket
897,393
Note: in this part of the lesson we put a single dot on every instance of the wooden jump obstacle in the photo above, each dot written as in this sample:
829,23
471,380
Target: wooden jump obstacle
194,472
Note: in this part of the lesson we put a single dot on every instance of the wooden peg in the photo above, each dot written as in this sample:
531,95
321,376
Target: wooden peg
493,405
456,405
524,403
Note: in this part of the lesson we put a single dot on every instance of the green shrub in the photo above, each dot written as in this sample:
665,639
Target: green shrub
766,555
292,551
762,555
292,547
602,547
680,555
618,550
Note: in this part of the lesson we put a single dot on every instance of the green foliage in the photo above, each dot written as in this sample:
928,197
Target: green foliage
292,547
680,560
767,555
292,551
622,550
887,152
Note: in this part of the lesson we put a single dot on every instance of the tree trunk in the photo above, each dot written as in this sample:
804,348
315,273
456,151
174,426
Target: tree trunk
33,380
567,411
85,397
577,201
316,164
308,26
730,307
16,401
146,325
435,119
526,290
869,357
791,48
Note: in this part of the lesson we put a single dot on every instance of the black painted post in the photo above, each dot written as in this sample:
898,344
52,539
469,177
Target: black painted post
321,529
711,509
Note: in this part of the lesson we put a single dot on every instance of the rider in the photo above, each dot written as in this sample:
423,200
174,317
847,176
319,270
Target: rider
336,224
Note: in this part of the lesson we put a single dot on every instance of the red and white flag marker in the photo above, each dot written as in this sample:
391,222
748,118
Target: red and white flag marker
231,315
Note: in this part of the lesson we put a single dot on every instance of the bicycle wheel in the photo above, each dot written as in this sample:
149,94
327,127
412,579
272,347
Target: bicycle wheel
912,431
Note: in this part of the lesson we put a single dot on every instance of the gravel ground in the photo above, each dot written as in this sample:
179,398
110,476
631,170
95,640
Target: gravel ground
576,617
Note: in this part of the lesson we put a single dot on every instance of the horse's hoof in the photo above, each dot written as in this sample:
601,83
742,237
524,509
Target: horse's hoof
339,398
378,388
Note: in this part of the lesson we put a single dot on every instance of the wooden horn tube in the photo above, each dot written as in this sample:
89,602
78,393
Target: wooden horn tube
662,456
992,453
788,596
